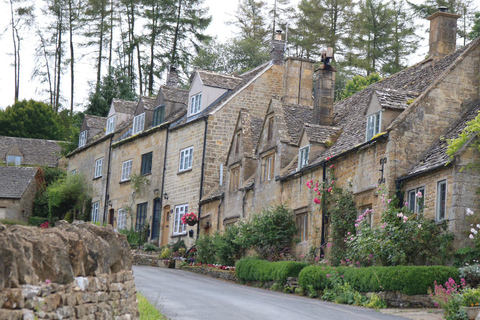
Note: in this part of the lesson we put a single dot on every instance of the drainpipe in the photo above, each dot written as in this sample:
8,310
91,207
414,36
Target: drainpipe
202,174
163,181
244,203
322,236
218,212
107,196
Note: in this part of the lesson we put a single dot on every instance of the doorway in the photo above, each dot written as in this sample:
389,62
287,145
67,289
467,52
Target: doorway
165,226
156,219
111,215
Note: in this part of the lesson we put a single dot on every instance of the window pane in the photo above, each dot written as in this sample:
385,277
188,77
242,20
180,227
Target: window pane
411,200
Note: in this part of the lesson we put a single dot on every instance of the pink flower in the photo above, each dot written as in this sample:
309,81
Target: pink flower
419,194
333,181
406,204
356,225
317,201
328,158
315,189
328,275
316,184
471,236
331,167
302,256
348,233
48,281
419,226
389,200
341,276
329,189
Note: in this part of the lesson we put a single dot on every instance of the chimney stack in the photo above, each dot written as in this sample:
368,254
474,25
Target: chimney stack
278,48
172,77
324,91
443,30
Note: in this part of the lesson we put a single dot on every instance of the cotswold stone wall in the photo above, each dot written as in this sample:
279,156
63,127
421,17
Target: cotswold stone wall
78,271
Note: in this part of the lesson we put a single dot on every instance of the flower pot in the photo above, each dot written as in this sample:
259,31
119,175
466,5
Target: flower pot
472,312
191,223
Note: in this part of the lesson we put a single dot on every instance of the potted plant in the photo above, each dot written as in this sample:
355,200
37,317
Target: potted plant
190,218
471,302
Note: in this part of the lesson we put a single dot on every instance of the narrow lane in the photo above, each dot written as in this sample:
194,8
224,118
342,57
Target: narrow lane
183,295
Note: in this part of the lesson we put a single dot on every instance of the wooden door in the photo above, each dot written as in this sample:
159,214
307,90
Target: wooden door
165,226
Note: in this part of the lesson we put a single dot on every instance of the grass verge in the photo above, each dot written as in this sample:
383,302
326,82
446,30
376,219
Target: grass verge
147,310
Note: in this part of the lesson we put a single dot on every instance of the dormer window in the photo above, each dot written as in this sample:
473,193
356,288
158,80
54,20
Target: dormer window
195,103
138,123
14,160
303,154
373,125
82,138
110,125
158,115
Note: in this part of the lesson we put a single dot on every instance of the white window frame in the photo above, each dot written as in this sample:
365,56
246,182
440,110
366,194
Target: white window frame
412,193
95,208
439,200
14,160
82,138
186,159
178,227
122,219
303,155
111,124
195,103
126,170
138,123
374,124
98,168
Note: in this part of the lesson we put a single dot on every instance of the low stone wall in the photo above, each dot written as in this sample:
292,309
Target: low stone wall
212,272
72,271
400,300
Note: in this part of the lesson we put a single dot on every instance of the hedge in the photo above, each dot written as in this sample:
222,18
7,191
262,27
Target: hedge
410,280
250,269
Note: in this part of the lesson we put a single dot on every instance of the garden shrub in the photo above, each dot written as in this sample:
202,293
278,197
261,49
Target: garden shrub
147,246
36,221
133,237
205,245
471,274
411,280
251,269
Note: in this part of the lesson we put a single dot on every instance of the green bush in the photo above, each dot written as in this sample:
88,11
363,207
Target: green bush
36,221
410,280
251,269
471,274
133,237
12,222
150,247
205,245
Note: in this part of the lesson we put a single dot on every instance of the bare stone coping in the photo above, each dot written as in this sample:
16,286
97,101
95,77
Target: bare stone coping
416,314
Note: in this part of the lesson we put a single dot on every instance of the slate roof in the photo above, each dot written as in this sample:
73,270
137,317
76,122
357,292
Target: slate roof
15,181
436,155
248,184
395,99
246,77
148,103
215,194
124,106
37,152
175,94
320,134
218,80
95,121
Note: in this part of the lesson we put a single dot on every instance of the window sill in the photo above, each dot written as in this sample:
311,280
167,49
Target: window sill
178,235
184,171
96,178
146,174
125,181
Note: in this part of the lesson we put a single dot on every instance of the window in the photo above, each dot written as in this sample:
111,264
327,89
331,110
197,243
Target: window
178,227
302,226
234,178
186,156
416,199
82,138
373,125
122,219
365,213
110,124
98,168
158,115
14,160
95,207
138,123
268,166
126,170
141,216
303,157
237,143
270,129
441,200
195,103
146,163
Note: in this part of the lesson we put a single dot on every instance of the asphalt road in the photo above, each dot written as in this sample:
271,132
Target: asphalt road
184,295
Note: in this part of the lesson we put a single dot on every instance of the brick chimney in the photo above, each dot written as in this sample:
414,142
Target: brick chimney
443,30
324,91
172,77
278,48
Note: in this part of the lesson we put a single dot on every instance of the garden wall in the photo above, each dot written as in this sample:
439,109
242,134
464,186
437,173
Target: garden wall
77,271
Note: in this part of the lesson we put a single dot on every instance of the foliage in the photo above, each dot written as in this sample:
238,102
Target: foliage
148,311
40,202
166,252
466,256
476,27
70,193
147,246
31,119
375,302
251,269
471,274
13,222
410,280
205,245
449,298
471,130
358,83
73,123
220,248
471,297
133,237
36,221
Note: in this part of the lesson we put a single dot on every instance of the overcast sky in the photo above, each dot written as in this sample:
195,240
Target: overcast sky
221,11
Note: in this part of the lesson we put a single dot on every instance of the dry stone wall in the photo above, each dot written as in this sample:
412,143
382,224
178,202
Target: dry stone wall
72,271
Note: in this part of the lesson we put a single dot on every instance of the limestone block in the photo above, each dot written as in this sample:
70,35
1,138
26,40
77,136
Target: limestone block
116,287
113,296
52,302
65,312
80,311
102,296
69,299
13,299
11,314
28,314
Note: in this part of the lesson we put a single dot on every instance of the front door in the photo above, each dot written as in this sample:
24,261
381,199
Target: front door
165,226
111,215
156,218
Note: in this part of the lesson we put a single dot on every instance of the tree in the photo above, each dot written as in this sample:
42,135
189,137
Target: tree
114,85
476,27
358,83
31,119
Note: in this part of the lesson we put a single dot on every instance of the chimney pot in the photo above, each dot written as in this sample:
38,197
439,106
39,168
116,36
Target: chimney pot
278,35
278,48
172,77
442,9
443,30
324,93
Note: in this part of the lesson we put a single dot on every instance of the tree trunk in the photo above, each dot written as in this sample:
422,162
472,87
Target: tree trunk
72,56
175,39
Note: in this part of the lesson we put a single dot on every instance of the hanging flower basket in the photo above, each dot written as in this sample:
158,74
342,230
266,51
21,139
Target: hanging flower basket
190,218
